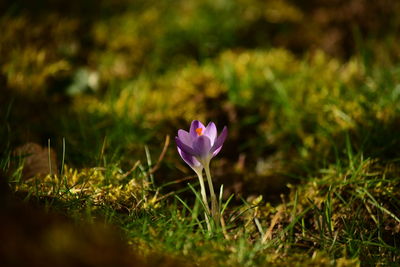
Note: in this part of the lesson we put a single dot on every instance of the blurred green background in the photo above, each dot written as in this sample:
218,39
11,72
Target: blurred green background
294,81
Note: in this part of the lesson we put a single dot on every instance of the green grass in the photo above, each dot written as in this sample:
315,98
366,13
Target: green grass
345,215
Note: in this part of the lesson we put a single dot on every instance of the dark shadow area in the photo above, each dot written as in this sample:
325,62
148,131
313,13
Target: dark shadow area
38,237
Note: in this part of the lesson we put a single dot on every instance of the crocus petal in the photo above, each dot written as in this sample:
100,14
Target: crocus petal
190,160
195,124
198,146
216,151
187,149
185,137
211,132
220,140
202,146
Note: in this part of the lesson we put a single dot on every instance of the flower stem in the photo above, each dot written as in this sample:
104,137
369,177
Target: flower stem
214,201
203,190
204,196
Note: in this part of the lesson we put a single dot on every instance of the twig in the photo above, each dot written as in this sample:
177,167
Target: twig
223,226
274,220
137,163
162,155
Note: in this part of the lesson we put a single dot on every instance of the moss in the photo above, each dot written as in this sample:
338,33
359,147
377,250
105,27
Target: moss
94,186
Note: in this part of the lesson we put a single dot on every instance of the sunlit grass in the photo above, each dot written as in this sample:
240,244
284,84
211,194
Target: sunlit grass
345,215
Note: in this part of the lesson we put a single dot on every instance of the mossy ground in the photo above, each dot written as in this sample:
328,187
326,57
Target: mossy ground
312,156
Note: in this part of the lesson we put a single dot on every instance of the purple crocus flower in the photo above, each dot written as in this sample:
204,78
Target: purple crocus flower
198,146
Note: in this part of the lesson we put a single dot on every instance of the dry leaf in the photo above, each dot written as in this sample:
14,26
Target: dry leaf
38,161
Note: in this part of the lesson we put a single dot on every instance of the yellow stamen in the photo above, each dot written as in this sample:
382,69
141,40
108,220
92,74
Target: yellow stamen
199,131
